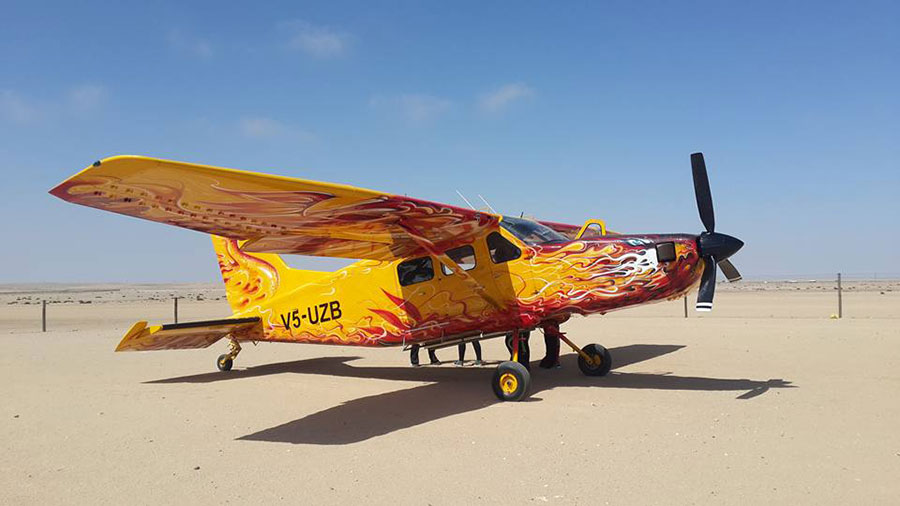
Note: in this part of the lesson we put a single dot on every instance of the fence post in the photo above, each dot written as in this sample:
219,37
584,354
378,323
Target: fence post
43,316
176,309
840,300
685,307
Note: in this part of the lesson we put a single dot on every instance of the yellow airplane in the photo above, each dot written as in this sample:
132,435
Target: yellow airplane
429,274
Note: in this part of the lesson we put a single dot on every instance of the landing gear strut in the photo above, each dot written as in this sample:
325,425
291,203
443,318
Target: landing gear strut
593,359
512,380
226,360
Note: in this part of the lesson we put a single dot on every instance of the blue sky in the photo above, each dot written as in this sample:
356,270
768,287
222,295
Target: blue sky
565,111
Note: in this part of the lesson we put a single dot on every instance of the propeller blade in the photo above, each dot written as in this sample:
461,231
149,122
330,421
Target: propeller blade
701,191
729,270
707,285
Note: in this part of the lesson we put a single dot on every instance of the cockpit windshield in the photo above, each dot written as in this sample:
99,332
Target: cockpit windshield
531,232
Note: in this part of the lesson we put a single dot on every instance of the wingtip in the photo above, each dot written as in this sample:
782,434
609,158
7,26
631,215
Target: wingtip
59,190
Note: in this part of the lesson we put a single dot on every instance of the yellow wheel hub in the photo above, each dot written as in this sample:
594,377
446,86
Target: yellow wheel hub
509,383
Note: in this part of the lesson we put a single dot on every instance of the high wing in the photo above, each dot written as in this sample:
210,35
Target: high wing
274,214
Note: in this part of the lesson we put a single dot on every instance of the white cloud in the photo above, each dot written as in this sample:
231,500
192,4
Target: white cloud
86,97
76,103
316,41
16,109
416,108
503,96
268,128
190,46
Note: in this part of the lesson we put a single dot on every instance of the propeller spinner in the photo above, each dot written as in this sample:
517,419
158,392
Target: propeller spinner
714,248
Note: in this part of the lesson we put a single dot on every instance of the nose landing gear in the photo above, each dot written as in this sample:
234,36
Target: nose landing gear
600,361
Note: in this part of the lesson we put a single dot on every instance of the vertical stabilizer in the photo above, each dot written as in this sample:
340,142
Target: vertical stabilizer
252,279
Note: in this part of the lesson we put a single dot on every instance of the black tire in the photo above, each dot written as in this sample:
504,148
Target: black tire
224,363
511,381
596,352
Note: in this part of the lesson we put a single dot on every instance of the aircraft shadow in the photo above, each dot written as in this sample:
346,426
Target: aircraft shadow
453,391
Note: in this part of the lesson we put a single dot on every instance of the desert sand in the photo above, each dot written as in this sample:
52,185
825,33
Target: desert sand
765,400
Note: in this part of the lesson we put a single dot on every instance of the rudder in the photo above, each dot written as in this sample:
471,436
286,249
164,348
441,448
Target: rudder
252,279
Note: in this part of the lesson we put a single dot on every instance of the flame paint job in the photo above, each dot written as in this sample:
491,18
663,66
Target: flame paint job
548,283
253,216
379,312
279,214
597,276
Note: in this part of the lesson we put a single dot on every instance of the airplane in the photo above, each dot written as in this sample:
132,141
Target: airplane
427,274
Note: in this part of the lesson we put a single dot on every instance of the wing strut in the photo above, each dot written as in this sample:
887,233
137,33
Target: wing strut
450,263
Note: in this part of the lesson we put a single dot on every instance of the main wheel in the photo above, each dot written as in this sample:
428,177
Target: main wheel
601,358
224,363
511,381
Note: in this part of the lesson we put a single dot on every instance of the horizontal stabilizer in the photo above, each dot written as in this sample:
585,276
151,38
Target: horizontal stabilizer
191,335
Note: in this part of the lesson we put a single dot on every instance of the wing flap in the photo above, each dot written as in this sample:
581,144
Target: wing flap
185,336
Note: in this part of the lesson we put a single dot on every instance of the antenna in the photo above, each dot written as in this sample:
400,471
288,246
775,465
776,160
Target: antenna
486,203
466,200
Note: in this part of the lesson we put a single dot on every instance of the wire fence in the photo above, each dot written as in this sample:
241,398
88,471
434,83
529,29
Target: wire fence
812,295
825,276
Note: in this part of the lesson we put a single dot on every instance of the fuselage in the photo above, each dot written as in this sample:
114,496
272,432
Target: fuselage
418,300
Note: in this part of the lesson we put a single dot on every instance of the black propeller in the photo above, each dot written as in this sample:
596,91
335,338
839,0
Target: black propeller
714,248
702,193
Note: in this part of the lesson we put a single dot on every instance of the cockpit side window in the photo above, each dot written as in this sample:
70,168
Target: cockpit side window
502,250
464,256
415,271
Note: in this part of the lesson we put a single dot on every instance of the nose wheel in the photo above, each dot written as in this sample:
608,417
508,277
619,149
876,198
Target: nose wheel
599,363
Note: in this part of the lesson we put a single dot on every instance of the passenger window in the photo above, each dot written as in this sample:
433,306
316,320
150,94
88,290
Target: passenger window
415,271
501,249
464,256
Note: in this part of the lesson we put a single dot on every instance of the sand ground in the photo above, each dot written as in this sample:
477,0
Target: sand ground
766,400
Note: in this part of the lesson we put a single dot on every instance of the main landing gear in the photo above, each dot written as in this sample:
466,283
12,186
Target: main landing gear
225,361
512,380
